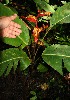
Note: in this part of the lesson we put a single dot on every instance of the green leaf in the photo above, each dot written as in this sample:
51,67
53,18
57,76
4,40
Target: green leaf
7,1
33,92
47,1
10,57
42,68
44,5
33,98
15,63
24,36
9,67
24,63
54,54
13,9
63,2
61,15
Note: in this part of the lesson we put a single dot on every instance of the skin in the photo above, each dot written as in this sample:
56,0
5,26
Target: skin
8,28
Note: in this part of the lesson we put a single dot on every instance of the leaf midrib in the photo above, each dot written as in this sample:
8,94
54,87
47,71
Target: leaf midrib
56,55
60,20
22,40
10,60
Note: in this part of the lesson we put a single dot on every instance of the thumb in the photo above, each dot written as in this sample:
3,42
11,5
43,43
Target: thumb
13,17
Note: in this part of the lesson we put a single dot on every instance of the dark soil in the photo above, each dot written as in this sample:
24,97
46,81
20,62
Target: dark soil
17,86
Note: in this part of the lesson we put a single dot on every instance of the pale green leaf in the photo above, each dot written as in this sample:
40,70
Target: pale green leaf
7,1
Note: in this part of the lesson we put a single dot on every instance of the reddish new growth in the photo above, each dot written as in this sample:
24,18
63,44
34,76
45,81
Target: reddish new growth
30,18
37,30
34,19
43,13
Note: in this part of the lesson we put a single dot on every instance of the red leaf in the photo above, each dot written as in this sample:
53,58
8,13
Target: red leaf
31,20
40,15
36,39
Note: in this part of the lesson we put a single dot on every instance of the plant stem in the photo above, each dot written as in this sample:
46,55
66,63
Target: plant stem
29,52
46,32
36,52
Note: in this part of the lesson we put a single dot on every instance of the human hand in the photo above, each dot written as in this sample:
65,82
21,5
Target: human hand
8,28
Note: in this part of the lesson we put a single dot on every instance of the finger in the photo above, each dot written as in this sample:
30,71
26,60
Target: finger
11,36
15,33
16,30
12,33
14,24
8,33
13,17
5,32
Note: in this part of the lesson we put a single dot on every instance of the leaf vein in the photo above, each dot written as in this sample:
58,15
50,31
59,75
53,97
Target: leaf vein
10,60
57,55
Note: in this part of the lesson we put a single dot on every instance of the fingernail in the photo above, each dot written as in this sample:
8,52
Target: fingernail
15,14
19,26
